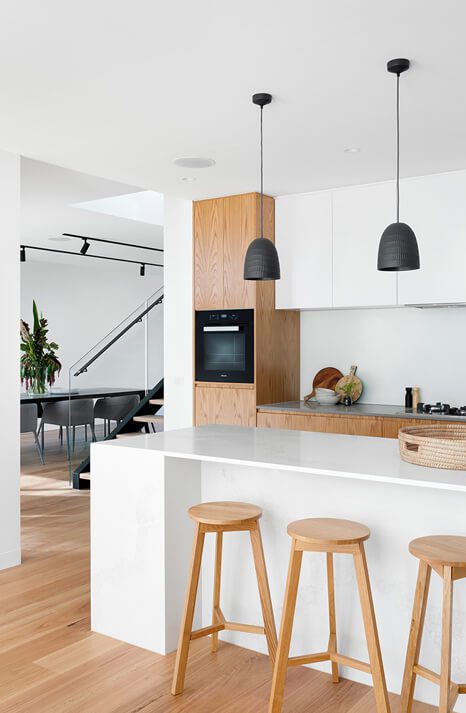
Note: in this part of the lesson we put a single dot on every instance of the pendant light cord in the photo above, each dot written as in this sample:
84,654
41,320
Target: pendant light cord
397,148
262,177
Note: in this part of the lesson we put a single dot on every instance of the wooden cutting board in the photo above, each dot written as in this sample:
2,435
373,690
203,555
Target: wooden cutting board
357,385
326,378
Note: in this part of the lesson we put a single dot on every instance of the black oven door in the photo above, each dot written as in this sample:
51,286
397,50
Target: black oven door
225,346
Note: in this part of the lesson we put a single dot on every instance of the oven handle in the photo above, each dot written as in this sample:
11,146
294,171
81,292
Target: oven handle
221,329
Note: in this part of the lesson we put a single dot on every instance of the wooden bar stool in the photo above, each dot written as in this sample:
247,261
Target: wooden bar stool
330,536
446,555
222,517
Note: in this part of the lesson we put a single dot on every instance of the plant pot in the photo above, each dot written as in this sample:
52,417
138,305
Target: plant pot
348,401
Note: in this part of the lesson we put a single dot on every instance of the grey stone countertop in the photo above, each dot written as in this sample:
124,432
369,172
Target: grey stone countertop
358,409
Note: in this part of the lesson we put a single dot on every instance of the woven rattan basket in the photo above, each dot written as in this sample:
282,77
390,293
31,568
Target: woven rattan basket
434,446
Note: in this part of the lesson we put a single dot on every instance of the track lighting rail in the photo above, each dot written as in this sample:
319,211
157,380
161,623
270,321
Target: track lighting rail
87,239
141,263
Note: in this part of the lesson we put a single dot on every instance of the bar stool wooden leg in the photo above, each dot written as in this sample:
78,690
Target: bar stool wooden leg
445,669
415,636
188,612
216,613
370,625
332,619
289,606
264,592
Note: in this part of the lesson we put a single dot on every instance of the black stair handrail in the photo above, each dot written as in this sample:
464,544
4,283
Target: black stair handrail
129,326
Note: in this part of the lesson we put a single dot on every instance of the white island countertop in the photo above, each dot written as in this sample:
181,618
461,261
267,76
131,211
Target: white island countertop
360,457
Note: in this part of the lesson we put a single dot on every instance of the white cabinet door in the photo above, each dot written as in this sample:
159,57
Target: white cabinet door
435,208
303,236
360,215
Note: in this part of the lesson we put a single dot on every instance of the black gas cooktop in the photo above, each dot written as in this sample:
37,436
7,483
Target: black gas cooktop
440,409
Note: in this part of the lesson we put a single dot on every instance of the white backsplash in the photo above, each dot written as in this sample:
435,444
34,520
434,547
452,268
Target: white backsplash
393,348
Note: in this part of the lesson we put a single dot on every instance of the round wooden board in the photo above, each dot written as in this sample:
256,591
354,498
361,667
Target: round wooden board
326,378
357,388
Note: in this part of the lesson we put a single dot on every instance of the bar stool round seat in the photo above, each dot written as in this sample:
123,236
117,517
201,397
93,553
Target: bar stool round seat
444,550
329,536
220,518
446,556
328,531
225,513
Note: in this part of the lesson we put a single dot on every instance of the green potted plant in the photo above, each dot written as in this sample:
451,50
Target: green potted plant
39,363
348,391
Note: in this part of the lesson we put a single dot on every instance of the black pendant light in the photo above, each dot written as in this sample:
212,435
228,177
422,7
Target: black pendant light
261,261
398,250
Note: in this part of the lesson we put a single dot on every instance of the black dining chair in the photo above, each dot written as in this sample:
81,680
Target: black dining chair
68,414
28,424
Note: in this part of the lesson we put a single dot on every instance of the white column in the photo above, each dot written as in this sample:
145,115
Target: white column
10,546
141,543
178,313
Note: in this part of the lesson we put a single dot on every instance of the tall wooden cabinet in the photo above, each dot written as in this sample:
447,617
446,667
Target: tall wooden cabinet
223,229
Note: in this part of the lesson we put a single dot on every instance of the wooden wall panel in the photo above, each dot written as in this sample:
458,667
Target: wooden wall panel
232,406
277,334
208,254
239,231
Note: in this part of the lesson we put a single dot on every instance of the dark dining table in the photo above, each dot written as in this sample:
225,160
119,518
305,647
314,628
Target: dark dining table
96,392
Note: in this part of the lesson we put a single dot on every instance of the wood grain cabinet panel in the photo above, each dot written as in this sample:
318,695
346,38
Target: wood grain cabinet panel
232,406
239,231
208,254
358,426
391,426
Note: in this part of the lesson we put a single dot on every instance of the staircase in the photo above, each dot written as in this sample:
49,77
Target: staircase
145,417
142,416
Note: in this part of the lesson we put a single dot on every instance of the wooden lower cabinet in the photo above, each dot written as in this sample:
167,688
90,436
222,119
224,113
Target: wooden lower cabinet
235,406
353,426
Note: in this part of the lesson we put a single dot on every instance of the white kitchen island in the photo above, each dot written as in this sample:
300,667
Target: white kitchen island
141,537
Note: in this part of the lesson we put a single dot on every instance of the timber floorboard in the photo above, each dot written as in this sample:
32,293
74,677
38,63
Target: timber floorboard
50,661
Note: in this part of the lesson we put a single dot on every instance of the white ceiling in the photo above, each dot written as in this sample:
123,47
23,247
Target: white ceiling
49,195
120,89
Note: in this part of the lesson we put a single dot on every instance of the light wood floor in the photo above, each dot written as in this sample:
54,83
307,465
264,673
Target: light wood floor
50,662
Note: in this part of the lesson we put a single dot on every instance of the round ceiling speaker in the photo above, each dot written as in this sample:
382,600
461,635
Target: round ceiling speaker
194,162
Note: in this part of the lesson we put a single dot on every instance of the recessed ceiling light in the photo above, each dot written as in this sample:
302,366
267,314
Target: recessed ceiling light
194,162
188,178
352,149
60,239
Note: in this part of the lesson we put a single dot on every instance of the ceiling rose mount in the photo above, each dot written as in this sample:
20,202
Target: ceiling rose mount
398,249
398,66
261,99
261,261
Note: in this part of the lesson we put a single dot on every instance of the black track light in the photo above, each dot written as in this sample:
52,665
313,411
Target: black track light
398,249
261,261
142,270
85,247
22,254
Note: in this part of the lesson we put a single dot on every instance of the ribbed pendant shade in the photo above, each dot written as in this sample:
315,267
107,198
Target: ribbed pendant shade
261,259
398,249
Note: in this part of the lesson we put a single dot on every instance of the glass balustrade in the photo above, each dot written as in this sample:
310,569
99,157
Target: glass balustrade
109,380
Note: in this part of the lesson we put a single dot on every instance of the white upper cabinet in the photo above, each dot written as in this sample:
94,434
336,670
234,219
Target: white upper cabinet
303,236
360,215
435,208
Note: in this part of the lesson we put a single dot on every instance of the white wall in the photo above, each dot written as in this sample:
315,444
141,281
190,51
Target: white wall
10,553
82,304
178,339
393,348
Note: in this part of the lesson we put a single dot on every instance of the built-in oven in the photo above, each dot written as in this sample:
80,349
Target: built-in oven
224,346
